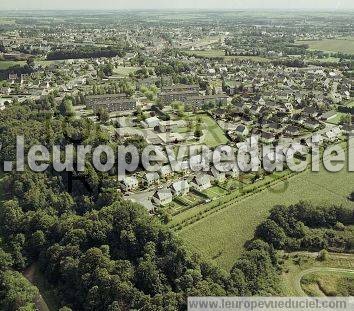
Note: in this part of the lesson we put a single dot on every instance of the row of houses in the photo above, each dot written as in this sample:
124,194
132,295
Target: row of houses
190,94
112,102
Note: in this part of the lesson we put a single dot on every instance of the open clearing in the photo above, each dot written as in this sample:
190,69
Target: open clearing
331,45
221,235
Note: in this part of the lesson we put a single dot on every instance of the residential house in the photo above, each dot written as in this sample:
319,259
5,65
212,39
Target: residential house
151,122
311,112
180,187
217,175
311,124
129,183
267,138
168,126
151,178
292,130
201,182
241,130
165,171
162,197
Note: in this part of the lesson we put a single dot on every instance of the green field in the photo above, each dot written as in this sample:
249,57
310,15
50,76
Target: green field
215,192
337,119
4,64
221,235
124,71
214,134
331,45
221,53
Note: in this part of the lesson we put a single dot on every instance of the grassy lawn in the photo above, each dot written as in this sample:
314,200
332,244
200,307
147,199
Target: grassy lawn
332,45
221,53
215,192
174,207
214,134
190,199
233,184
221,235
336,120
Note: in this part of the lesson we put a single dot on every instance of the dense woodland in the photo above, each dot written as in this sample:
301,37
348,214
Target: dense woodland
99,251
306,227
87,52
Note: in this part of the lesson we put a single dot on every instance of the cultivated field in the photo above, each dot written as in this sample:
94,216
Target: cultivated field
332,45
221,235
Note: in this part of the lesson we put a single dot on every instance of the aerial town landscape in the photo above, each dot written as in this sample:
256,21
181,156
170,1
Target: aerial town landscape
190,87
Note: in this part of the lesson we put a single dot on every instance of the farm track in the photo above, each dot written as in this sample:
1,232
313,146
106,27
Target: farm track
297,281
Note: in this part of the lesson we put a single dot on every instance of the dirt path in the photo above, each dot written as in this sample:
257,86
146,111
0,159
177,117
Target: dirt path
297,281
40,303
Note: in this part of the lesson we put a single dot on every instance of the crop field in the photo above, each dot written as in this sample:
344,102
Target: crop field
221,53
332,45
222,235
